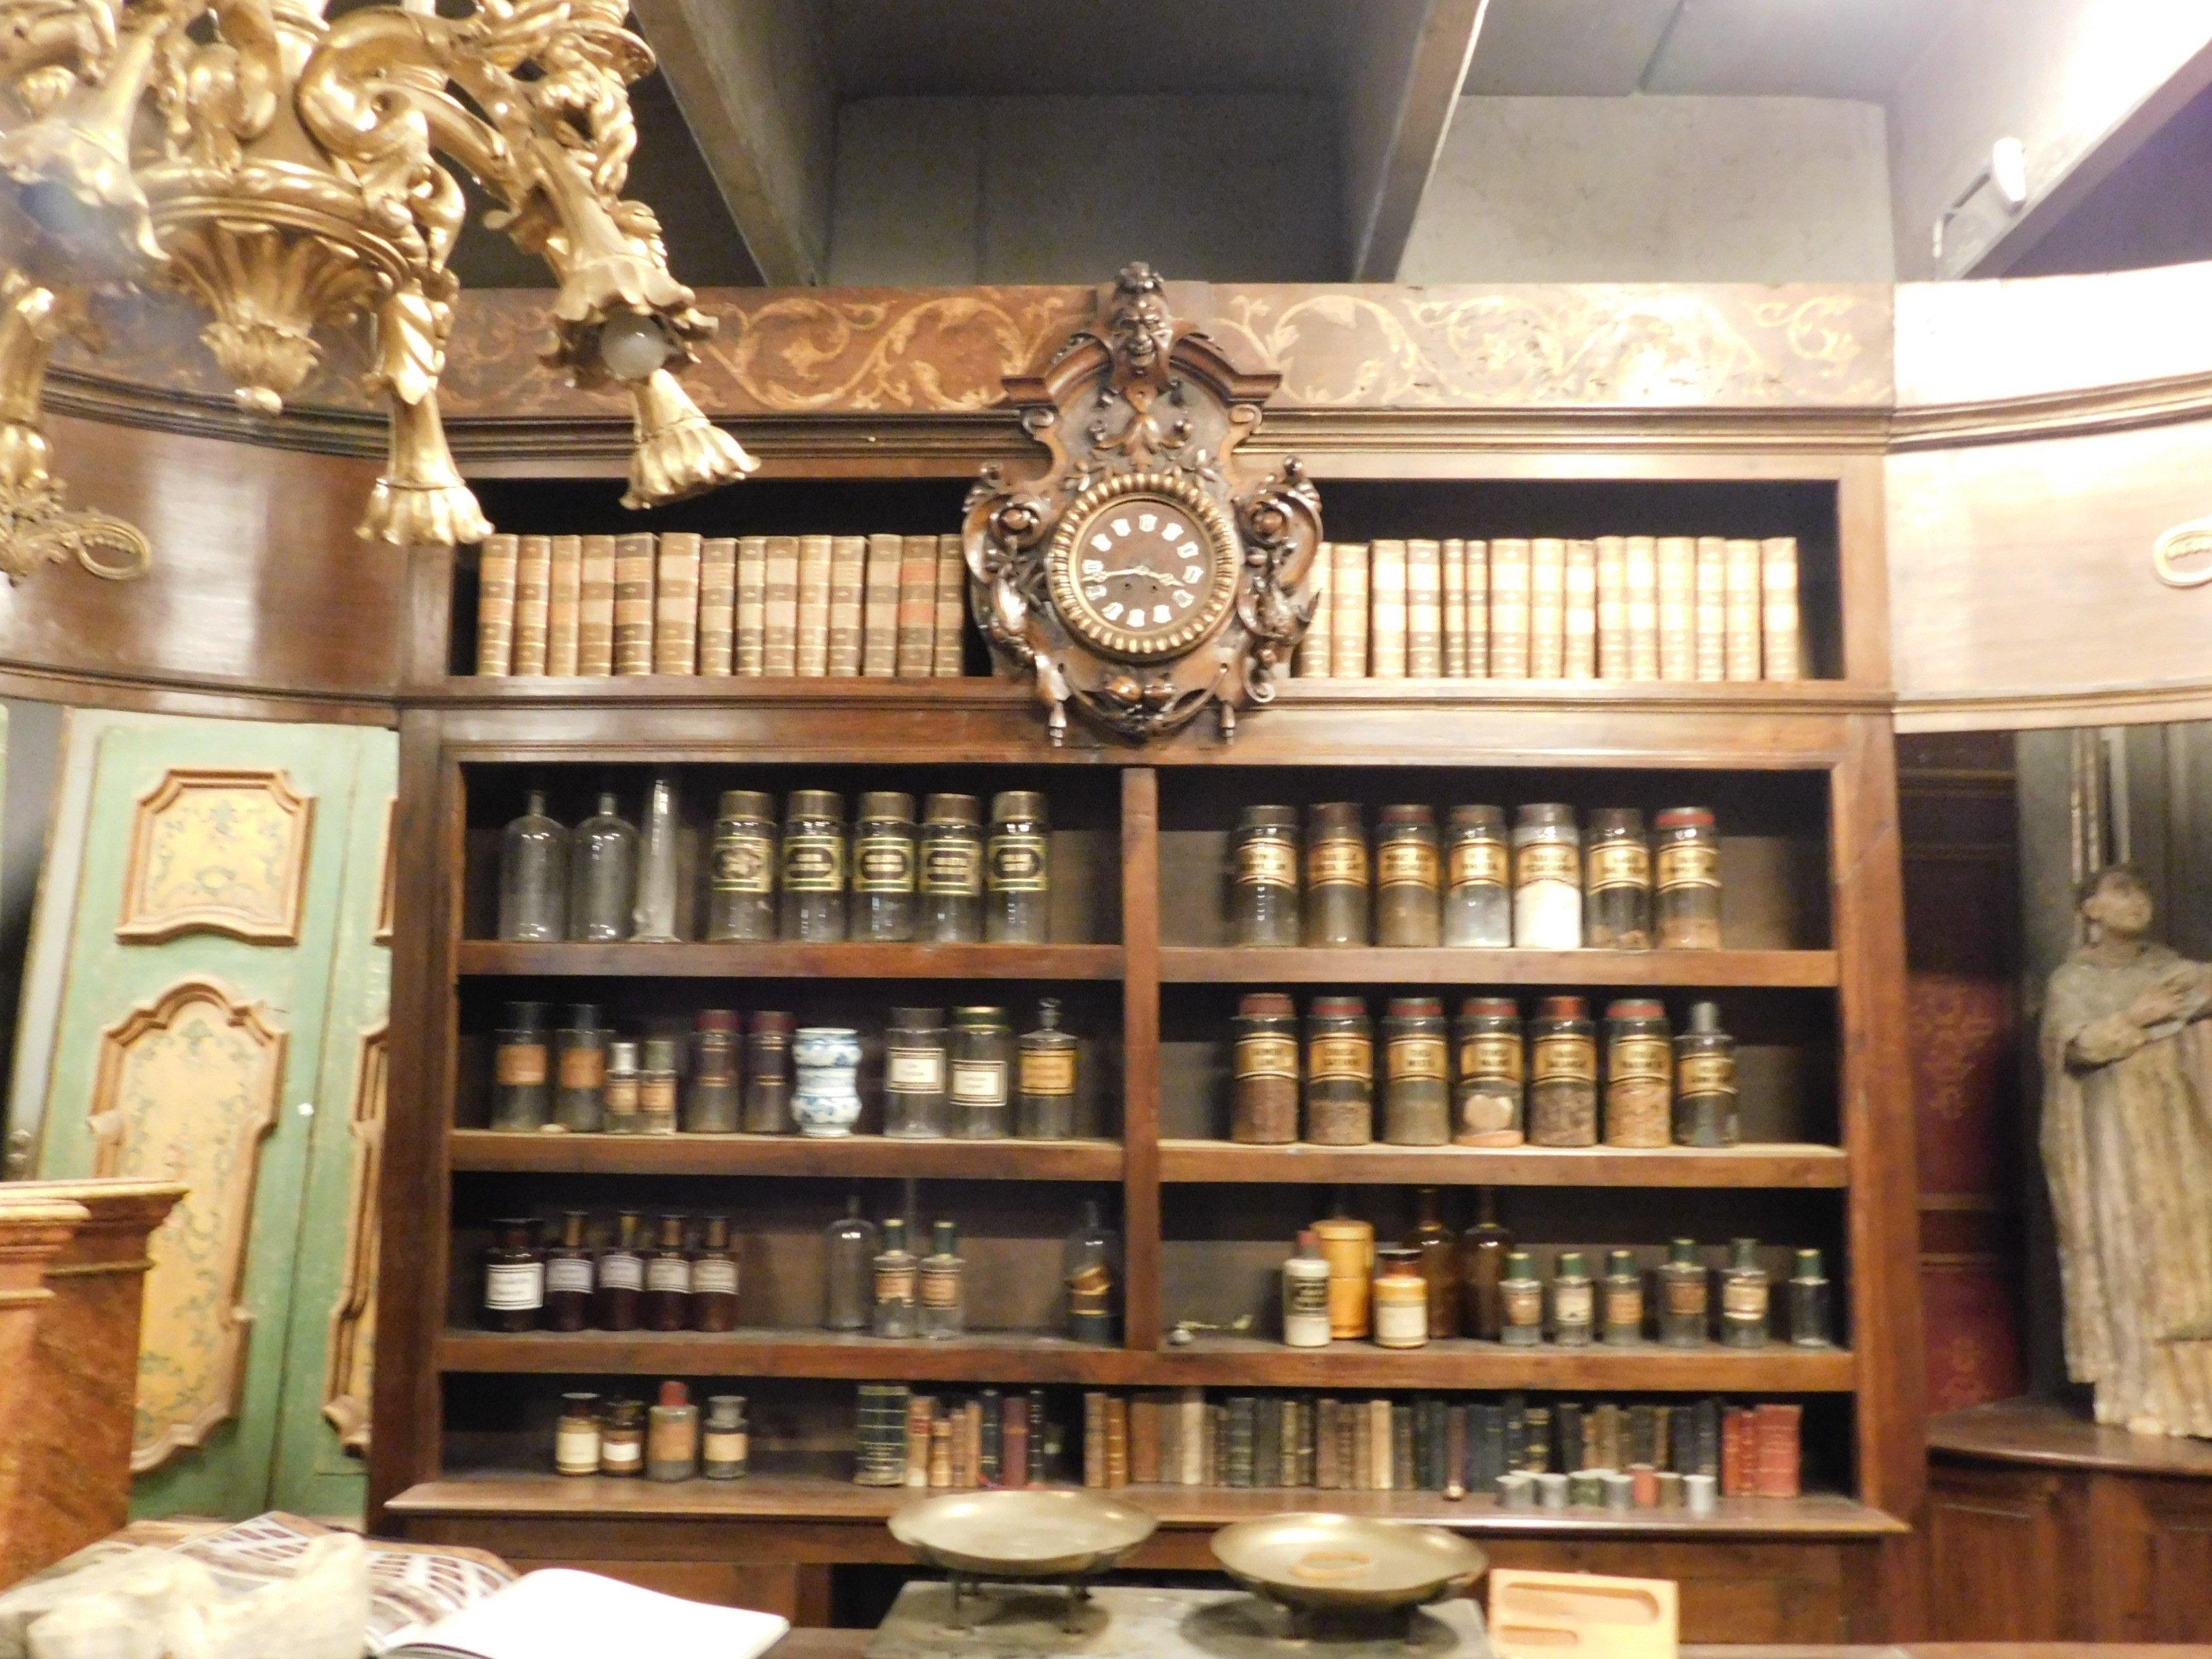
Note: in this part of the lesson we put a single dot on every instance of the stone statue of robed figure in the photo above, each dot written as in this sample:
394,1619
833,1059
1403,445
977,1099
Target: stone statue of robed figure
2127,1144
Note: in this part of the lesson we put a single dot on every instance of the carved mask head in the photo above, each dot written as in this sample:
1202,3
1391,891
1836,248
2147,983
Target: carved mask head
1143,331
2116,903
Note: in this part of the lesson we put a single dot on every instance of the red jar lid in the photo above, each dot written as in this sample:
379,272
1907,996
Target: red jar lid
1416,1008
718,1019
1489,1008
1563,1008
1636,1008
1338,1008
1686,818
1265,1004
766,1020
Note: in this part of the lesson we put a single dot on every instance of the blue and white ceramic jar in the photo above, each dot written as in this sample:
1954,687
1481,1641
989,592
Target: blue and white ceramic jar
825,1098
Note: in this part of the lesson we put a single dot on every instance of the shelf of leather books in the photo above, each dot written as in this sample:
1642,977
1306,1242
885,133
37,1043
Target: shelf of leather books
810,631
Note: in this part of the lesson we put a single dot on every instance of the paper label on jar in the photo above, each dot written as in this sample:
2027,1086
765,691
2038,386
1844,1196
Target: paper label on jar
1619,864
1564,1059
1048,1072
1689,864
1305,1294
743,860
583,1068
1415,1058
941,1287
883,863
914,1070
1493,1055
814,864
576,1450
1269,1055
1018,863
953,868
1573,1301
622,1095
1338,1056
668,1273
617,1455
1705,1074
896,1284
519,1065
979,1082
1640,1059
510,1286
621,1271
1624,1307
1685,1295
1477,864
1341,862
656,1093
1402,1324
714,1275
723,1446
1744,1298
1521,1302
1264,862
1547,861
568,1273
1407,863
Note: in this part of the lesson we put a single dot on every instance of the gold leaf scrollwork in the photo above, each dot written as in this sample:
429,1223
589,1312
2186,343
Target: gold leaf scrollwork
2182,557
218,850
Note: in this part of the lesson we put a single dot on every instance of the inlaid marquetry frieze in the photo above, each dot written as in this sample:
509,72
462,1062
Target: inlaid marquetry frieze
353,1319
218,850
187,1089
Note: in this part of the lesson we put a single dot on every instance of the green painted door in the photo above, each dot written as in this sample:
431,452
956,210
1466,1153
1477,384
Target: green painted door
205,959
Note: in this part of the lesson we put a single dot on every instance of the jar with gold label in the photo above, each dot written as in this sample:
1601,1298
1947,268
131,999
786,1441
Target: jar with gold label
1263,1106
1477,880
1017,870
1574,1301
981,1056
622,1115
1704,1081
1639,1074
884,868
1622,1299
1616,881
1263,877
1562,1074
1416,1073
1520,1302
915,1106
1547,879
813,872
1401,1298
1487,1097
1688,878
741,868
1336,896
521,1071
1408,879
659,1068
576,1435
767,1093
622,1438
1339,1072
1746,1291
1685,1300
711,1104
949,884
579,1069
1347,1244
1045,1104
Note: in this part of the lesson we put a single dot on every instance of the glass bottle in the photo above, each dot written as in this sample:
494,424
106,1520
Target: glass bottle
1639,1074
1091,1268
944,1305
914,1107
1477,880
767,1073
514,1277
622,1112
671,1436
666,1304
1562,1074
1339,1073
882,907
1616,881
1017,870
1487,1110
741,868
622,1438
1684,1296
568,1278
1623,1293
1305,1296
1746,1295
950,896
714,1278
1483,1248
580,1071
1263,1107
725,1451
1045,1106
981,1051
1520,1302
894,1313
1416,1073
1811,1317
659,1068
1263,877
576,1435
1336,896
602,875
521,1086
1547,879
813,876
621,1276
1401,1298
848,1256
533,877
1574,1301
710,1103
654,916
1408,879
1438,1257
1688,901
1704,1081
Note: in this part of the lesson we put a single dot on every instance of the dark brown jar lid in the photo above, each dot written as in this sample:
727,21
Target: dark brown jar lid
663,1054
1635,1008
814,803
1269,817
1563,1008
525,1018
1705,1019
878,805
766,1022
1416,1008
1687,817
1265,1004
1340,817
583,1016
718,1019
917,1019
1613,822
1013,806
953,809
752,804
1337,1008
1412,816
1489,1008
1472,820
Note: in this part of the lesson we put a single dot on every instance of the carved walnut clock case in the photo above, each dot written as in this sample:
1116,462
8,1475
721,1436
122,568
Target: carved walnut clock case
1140,572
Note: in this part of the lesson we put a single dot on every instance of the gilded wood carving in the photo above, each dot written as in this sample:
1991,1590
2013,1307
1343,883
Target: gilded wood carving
353,1322
218,850
187,1091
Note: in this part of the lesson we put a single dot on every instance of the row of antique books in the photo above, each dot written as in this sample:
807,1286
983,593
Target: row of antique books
1179,1438
775,606
1548,607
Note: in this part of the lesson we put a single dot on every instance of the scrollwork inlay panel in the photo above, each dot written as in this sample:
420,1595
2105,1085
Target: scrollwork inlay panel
218,851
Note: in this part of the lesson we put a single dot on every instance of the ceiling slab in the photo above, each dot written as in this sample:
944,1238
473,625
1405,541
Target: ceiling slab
1566,48
1796,48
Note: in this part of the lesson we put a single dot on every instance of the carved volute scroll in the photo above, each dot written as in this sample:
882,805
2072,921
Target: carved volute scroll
1141,571
218,850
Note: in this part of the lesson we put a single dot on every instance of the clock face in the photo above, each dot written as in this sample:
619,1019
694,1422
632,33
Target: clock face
1141,574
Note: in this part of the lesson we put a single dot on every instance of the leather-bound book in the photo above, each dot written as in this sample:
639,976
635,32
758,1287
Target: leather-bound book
1740,604
1356,1423
1477,577
780,615
1316,651
1014,1442
1711,633
949,632
1574,1450
634,604
1735,1452
1326,1475
1405,1473
1579,659
1145,1440
1548,607
1424,643
1191,1407
533,597
1612,607
1268,1440
1383,1445
1216,1446
1777,1456
1509,608
1779,617
1538,1419
1117,1441
1451,572
879,608
993,1439
1678,608
564,605
717,605
1243,1435
752,607
1347,573
812,660
917,607
1641,556
495,605
920,1412
676,604
848,565
1386,634
595,608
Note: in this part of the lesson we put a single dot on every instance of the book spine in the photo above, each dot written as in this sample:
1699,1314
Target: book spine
1145,1440
1243,1431
940,1449
879,608
1776,1459
595,608
971,1464
779,609
752,607
1642,1436
917,607
1580,656
813,659
1040,1440
1117,1442
1014,1436
1548,607
848,565
1425,598
1381,1421
1735,1463
1216,1446
1386,627
1348,612
1458,1447
534,594
675,605
1304,1443
1612,1435
1739,608
1326,1477
993,1442
1267,1441
1405,1475
1538,1419
718,603
1778,619
920,1412
1516,1435
1094,1438
1678,608
1312,661
634,557
1486,1456
1191,1407
1640,556
950,629
1574,1452
564,605
1612,553
1711,631
1451,572
495,605
1510,573
1478,610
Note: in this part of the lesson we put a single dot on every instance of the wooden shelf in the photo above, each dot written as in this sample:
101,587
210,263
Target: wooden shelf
1220,1362
696,959
1198,964
853,1156
1788,1165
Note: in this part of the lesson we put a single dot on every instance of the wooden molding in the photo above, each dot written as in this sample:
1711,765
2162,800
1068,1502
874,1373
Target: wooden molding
353,1319
194,866
387,874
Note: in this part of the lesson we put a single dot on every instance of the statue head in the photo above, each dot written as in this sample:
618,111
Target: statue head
2116,902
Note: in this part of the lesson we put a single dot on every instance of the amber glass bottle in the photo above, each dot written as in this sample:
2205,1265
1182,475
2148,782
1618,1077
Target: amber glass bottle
569,1277
714,1279
666,1304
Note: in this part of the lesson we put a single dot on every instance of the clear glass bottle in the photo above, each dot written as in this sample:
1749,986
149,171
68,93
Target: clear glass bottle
741,868
1616,881
915,1064
1747,1294
896,1281
1337,874
1562,1074
569,1277
1339,1072
1687,905
521,1075
714,1278
1574,1301
813,876
666,1304
725,1451
1477,880
1305,1296
1408,879
711,1099
1438,1247
533,877
1639,1074
580,1071
621,1275
1704,1081
514,1277
884,868
1812,1318
768,1072
1623,1294
1520,1302
944,1299
654,916
1045,1103
1685,1298
602,875
1263,1102
849,1250
1483,1248
1416,1073
982,1053
1017,870
1263,877
1090,1268
622,1113
661,1064
1488,1107
1548,878
950,899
